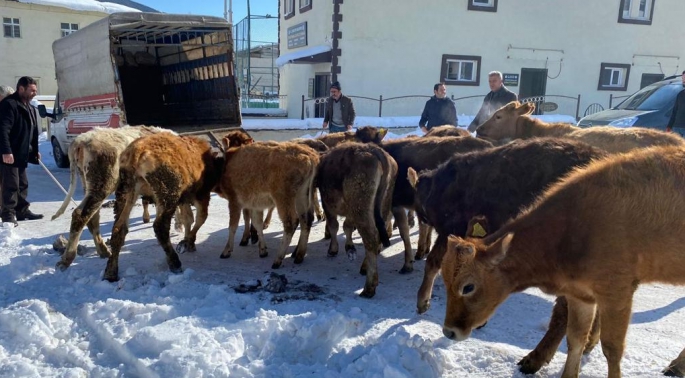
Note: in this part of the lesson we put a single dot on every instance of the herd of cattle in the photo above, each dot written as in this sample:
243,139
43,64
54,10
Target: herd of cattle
585,214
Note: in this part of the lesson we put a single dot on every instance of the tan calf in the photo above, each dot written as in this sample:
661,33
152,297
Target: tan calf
175,171
259,176
512,121
592,238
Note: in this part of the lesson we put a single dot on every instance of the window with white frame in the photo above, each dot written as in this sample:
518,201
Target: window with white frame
68,28
288,8
305,3
11,27
636,11
460,70
613,77
483,5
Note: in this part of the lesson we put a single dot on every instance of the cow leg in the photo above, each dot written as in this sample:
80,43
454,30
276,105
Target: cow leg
162,225
348,228
288,215
424,241
94,228
258,225
305,216
371,241
401,220
411,219
188,242
125,200
332,225
247,229
423,300
580,317
267,220
146,211
184,217
178,222
544,351
79,218
677,367
320,216
234,211
615,308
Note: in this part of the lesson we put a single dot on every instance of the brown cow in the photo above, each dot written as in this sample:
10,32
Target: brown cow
512,122
356,181
364,134
175,171
259,176
447,130
592,237
94,156
421,154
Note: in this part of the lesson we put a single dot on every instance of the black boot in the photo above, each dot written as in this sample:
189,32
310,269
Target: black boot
29,215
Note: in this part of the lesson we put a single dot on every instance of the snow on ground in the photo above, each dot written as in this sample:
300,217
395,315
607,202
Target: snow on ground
84,5
156,324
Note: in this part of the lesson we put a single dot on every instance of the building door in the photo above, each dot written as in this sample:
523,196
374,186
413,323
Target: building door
533,86
322,84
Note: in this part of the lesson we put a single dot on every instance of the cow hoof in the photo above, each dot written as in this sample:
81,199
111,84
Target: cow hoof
320,217
111,277
420,255
185,246
254,238
276,264
299,259
367,293
529,364
146,220
62,266
411,222
263,253
394,226
406,269
265,225
672,371
423,307
332,253
243,243
589,347
225,255
362,270
102,250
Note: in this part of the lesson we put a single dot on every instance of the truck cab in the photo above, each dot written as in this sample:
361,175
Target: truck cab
166,70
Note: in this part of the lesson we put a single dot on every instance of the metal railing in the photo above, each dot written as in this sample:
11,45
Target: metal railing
412,105
612,98
252,101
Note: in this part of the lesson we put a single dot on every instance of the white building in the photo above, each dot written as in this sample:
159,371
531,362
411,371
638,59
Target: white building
30,27
396,48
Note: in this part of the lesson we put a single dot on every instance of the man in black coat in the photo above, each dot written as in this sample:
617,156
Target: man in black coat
498,97
18,146
439,110
678,114
339,111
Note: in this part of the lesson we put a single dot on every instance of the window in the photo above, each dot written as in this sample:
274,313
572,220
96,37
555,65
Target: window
288,8
305,5
483,5
613,77
68,28
460,70
648,78
11,27
636,12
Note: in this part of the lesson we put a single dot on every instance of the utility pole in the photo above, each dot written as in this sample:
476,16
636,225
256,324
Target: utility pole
228,11
249,48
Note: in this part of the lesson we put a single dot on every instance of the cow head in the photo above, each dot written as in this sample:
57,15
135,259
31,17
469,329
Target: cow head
368,134
502,123
236,139
473,283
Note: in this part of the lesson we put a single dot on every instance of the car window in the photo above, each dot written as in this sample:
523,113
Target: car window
652,97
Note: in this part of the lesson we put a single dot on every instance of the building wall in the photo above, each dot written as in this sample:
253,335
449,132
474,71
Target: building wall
31,55
395,47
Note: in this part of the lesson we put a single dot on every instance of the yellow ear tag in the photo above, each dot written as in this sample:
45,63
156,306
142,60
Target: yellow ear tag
478,231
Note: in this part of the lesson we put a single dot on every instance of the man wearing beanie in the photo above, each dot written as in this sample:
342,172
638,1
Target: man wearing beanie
339,111
439,110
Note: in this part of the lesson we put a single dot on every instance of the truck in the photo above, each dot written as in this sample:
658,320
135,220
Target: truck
136,68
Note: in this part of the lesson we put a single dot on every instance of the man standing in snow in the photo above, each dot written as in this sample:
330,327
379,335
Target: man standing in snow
439,110
498,97
18,146
339,111
678,114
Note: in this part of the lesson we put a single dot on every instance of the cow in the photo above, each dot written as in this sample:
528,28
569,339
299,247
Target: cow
446,130
420,154
512,121
592,238
259,176
356,181
94,156
364,134
176,171
495,183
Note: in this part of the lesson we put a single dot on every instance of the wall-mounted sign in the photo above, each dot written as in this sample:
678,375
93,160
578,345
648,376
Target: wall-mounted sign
297,35
511,80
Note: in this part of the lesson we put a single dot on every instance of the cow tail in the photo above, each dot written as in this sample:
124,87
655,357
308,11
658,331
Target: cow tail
378,200
73,166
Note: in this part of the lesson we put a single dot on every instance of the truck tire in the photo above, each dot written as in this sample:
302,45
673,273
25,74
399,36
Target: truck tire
61,159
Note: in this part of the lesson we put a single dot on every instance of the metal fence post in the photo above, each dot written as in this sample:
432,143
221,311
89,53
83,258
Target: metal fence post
611,99
578,108
380,106
302,114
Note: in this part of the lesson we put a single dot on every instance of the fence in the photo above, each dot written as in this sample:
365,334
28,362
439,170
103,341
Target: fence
612,98
412,105
263,101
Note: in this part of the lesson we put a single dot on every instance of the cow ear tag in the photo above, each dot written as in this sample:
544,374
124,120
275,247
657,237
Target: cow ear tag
478,231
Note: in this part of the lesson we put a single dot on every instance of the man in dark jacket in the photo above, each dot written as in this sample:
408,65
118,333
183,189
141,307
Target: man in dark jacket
678,115
439,110
339,111
18,146
498,97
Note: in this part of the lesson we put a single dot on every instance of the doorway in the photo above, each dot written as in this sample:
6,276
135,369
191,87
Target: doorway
533,84
321,90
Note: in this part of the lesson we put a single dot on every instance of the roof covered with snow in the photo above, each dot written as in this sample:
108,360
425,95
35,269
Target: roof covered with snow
84,5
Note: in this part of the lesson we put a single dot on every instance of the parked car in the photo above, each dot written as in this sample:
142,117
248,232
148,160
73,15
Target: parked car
649,107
